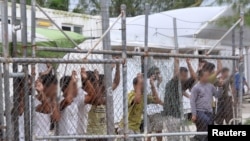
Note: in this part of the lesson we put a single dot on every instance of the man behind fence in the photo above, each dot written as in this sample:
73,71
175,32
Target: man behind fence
225,101
72,106
155,120
45,105
135,106
201,103
97,115
172,98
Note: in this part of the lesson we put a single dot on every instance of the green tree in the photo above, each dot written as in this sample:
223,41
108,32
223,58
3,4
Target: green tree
82,7
136,7
237,6
40,2
58,4
52,4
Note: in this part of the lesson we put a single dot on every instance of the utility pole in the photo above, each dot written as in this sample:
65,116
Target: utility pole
107,69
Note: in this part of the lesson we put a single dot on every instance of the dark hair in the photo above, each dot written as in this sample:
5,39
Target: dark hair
64,82
201,73
202,61
48,79
151,71
19,81
91,78
101,79
135,81
208,67
183,69
225,70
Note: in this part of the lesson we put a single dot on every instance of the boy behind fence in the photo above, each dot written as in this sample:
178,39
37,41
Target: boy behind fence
135,106
201,103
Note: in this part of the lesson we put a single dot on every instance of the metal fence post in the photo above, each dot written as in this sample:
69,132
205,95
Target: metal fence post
241,66
1,104
233,49
145,64
15,69
27,112
124,70
179,81
33,66
5,43
107,69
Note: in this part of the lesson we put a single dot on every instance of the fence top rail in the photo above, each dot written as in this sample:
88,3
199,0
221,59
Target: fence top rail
60,60
112,52
121,136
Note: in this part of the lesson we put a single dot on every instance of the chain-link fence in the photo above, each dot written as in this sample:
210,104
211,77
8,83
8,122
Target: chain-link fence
72,104
116,93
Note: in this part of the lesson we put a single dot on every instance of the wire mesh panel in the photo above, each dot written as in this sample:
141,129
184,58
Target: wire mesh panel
184,96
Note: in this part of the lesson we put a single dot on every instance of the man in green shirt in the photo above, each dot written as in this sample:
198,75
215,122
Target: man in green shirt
135,106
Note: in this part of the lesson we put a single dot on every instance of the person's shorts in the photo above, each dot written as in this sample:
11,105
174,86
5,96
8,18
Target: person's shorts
155,123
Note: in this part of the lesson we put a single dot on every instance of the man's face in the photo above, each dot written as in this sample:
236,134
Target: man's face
51,90
157,75
225,74
183,76
205,77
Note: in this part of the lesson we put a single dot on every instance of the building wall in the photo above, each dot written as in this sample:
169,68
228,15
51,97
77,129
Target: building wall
90,25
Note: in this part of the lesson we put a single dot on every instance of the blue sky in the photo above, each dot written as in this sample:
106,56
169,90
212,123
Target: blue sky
73,4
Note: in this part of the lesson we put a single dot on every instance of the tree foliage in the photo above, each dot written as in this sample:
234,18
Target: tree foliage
136,7
52,4
237,6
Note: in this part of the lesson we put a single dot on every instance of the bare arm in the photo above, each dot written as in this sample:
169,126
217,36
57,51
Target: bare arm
193,98
116,80
154,92
49,69
88,87
186,95
191,70
176,66
90,92
45,106
138,91
138,95
219,67
70,92
56,115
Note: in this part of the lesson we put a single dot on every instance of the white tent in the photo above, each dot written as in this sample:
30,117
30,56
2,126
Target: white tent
161,32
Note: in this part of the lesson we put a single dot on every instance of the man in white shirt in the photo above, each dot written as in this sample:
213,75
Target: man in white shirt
155,120
46,108
72,106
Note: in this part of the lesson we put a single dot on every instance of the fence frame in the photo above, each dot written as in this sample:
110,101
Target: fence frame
5,60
